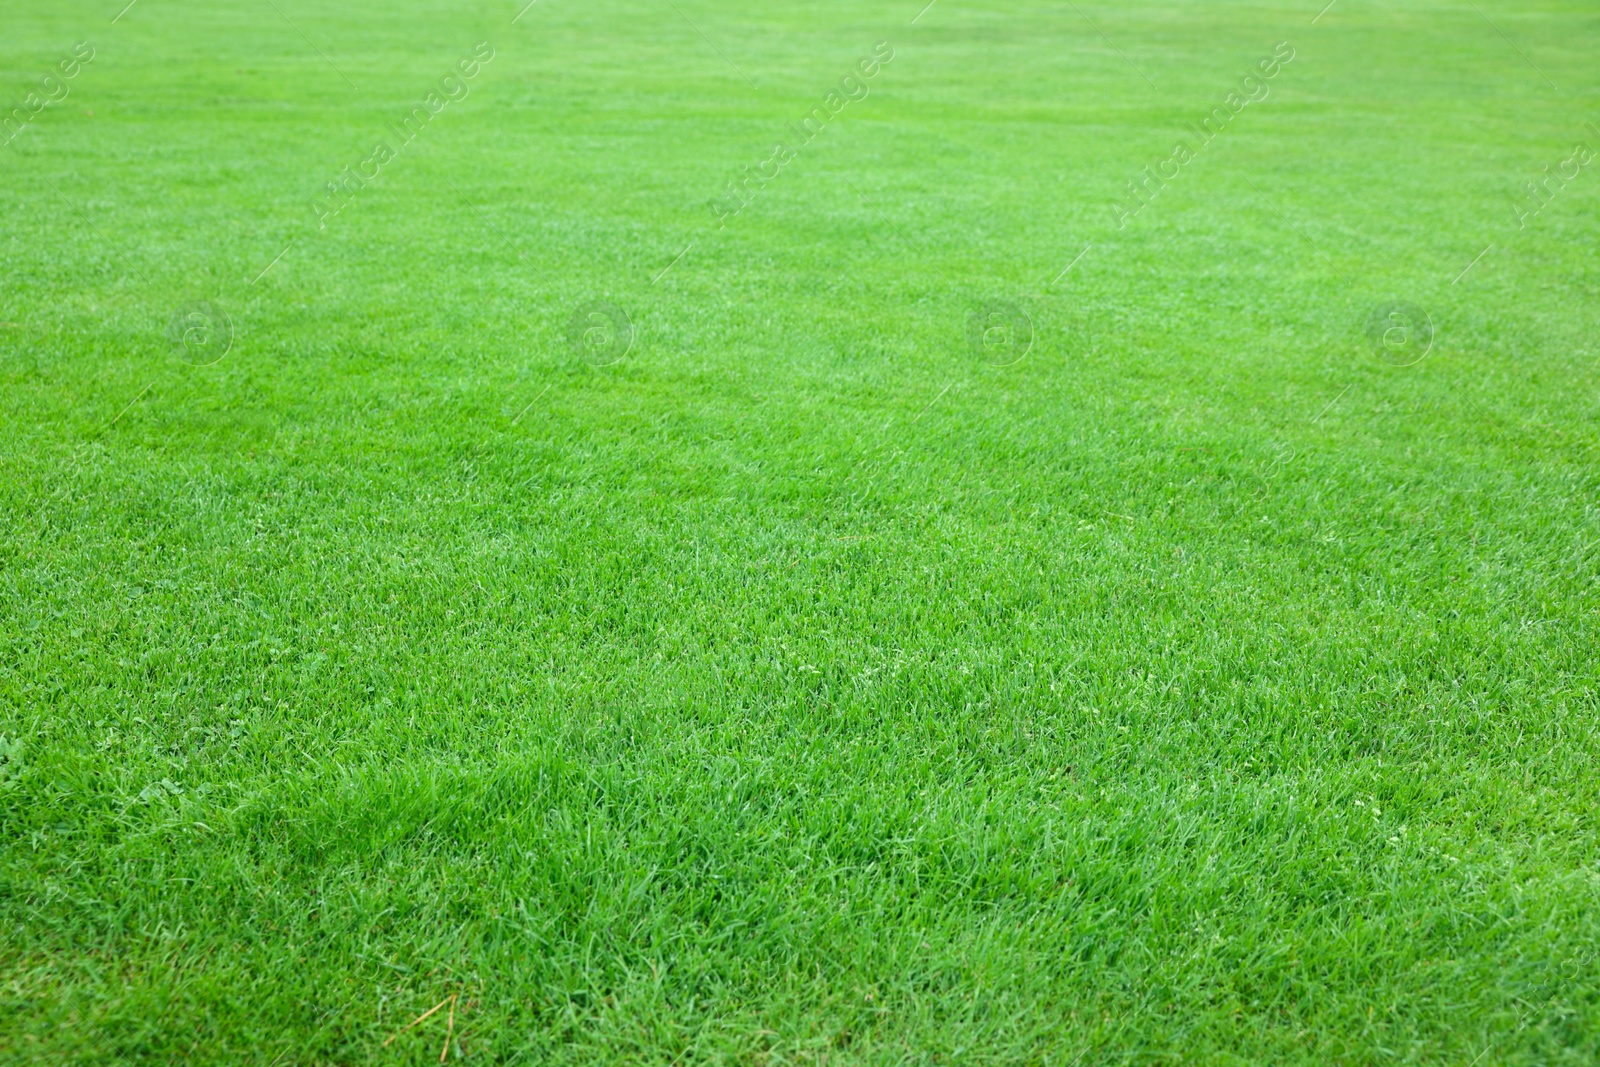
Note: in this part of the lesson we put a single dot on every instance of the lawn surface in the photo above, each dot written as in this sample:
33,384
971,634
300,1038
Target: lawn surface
950,609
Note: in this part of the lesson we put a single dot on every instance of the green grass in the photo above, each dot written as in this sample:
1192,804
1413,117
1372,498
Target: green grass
803,687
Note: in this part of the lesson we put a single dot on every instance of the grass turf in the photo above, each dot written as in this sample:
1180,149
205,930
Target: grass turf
1172,675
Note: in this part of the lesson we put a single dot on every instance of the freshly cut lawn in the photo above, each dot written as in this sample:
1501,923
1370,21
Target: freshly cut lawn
955,609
